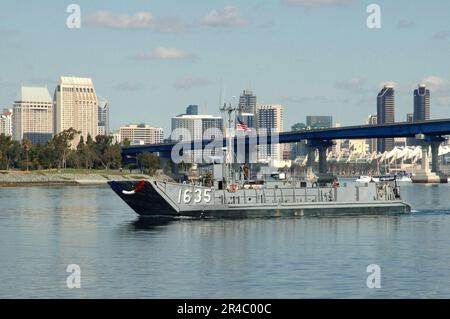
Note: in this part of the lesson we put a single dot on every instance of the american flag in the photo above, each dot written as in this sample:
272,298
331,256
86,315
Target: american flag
241,126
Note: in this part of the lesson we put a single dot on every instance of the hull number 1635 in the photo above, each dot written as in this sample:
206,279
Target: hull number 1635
196,196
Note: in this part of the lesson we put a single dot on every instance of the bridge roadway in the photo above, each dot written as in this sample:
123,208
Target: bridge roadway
432,131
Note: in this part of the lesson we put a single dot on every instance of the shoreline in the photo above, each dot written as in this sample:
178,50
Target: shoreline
40,178
36,184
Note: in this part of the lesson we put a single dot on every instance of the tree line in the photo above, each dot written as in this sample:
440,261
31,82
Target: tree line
58,153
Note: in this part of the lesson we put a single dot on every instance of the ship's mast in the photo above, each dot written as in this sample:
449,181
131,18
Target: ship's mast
229,128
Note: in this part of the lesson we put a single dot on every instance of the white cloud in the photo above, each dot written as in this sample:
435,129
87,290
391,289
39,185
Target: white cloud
170,25
228,16
439,88
316,3
352,84
107,19
165,53
138,20
388,83
437,84
189,82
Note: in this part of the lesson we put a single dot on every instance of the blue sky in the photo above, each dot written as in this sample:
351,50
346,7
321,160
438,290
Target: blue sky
151,59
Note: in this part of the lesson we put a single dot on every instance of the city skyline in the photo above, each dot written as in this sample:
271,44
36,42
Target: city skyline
168,63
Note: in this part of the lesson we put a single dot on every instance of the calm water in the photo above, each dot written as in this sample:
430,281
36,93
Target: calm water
42,230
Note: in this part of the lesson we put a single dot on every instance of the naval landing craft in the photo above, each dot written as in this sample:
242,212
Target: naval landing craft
259,199
227,193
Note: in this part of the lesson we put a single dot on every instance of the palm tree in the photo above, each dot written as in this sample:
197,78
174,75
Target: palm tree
26,145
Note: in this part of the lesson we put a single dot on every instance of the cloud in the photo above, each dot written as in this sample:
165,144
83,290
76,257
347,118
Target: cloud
316,3
228,16
437,84
350,85
170,25
129,86
406,24
442,35
189,82
165,53
388,83
440,89
306,99
138,20
108,19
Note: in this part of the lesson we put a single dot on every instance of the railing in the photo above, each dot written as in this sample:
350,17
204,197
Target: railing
278,196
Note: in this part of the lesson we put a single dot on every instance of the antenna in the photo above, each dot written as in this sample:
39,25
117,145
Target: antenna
222,92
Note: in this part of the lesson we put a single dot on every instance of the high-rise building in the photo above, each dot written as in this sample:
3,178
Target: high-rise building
195,127
76,106
32,115
386,115
319,122
269,118
299,148
409,119
192,110
247,102
372,142
140,134
6,122
421,103
358,146
103,118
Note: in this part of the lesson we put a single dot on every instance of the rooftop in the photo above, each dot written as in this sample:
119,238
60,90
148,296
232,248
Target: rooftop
186,116
72,80
33,94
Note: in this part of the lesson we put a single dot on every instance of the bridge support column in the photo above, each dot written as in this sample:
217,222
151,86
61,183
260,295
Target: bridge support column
321,146
323,169
425,158
435,157
425,175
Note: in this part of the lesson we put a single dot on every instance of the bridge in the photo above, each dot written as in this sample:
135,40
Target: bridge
429,132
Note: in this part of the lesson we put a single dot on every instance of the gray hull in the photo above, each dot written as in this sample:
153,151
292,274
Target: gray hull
153,198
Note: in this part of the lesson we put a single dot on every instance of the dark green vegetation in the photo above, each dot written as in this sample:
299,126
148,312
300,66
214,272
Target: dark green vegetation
98,153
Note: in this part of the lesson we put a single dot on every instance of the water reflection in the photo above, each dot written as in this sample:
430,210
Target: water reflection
150,223
42,230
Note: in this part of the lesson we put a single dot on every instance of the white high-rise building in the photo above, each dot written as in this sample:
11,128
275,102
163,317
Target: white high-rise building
103,118
6,122
140,134
76,106
247,102
195,128
116,137
372,142
269,118
32,115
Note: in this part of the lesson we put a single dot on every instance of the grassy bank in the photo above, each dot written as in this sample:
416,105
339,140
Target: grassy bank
64,177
